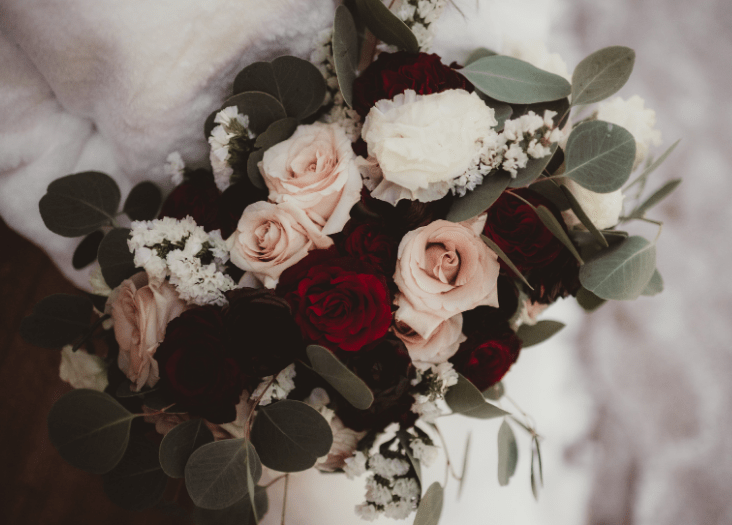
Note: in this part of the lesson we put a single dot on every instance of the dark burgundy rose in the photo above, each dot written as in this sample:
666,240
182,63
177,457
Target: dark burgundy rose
485,317
393,73
485,358
370,244
556,280
338,302
196,369
516,228
262,334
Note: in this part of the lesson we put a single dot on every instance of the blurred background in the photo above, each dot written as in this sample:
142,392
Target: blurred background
633,402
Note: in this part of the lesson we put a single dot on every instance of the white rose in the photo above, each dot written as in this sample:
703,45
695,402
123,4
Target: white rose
418,143
603,209
536,53
82,370
636,118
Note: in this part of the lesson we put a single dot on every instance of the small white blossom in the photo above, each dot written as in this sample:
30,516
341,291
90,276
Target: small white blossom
98,284
398,510
355,465
426,409
232,126
406,488
366,512
377,493
280,388
82,370
388,467
425,453
174,167
446,373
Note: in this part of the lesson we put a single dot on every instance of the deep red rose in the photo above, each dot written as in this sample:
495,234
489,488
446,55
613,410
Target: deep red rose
394,73
516,228
485,358
370,244
196,369
338,302
556,280
485,318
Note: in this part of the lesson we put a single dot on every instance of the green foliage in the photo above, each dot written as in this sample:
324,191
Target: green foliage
551,190
262,109
143,202
501,255
115,258
79,204
495,392
534,168
216,473
253,172
479,53
466,457
514,81
475,202
583,218
277,132
348,384
464,398
345,51
404,440
588,300
240,513
258,76
552,224
654,286
531,335
507,453
430,506
537,470
86,251
178,445
650,169
137,482
89,429
290,436
386,26
622,271
656,197
600,156
57,320
601,74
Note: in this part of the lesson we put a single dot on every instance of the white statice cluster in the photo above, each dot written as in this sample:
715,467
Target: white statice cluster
339,112
182,251
175,168
225,139
432,386
528,137
282,385
424,450
390,490
419,15
356,465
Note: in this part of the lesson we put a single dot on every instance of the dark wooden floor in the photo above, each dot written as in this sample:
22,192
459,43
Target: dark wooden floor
36,485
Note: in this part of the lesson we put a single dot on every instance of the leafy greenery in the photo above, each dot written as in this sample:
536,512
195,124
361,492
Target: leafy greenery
430,506
57,320
650,169
656,197
552,224
240,513
501,255
479,53
143,202
262,109
588,300
507,453
182,441
348,384
86,251
345,51
125,390
495,392
601,74
89,429
77,205
654,286
115,258
464,398
277,132
403,437
253,172
475,202
531,335
583,218
534,168
537,470
386,26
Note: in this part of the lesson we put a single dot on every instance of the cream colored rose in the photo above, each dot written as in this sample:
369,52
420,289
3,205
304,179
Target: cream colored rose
272,237
315,170
603,209
418,143
443,269
633,115
441,345
141,313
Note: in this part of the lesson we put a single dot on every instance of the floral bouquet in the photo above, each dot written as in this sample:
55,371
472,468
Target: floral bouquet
369,252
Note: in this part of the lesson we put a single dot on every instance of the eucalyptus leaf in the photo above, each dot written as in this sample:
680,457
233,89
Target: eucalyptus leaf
650,169
77,205
125,390
137,482
348,384
258,76
656,197
464,398
90,429
532,170
143,202
601,74
404,440
209,124
560,107
253,172
511,80
507,453
277,132
600,156
430,506
262,109
479,53
493,246
475,202
552,224
588,300
240,513
216,473
345,51
252,483
386,26
57,320
464,471
290,436
301,86
622,271
495,392
114,256
552,191
654,286
583,218
182,441
86,251
531,335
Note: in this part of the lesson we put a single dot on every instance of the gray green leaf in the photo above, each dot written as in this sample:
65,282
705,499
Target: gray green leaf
345,51
277,132
240,513
507,453
654,286
57,320
475,202
430,506
479,53
143,202
178,445
531,335
501,255
552,224
656,197
115,258
253,171
301,86
464,398
601,74
386,26
258,76
650,169
582,216
348,384
588,300
262,109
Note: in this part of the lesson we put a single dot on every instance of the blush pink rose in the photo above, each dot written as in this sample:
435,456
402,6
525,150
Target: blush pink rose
441,345
272,237
344,445
443,269
315,170
141,311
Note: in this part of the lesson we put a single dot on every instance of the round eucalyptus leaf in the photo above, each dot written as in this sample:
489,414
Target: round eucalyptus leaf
262,109
430,506
475,202
240,513
588,300
253,171
553,192
507,453
656,197
79,204
601,74
209,124
89,429
57,320
86,252
301,86
464,398
348,384
654,286
143,202
495,392
386,26
178,445
290,436
514,81
216,473
479,53
137,482
345,51
258,76
277,132
557,229
531,335
600,156
115,258
622,271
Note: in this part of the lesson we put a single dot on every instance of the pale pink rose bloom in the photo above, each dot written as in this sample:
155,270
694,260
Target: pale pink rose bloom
443,269
272,237
315,170
141,312
343,447
441,345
